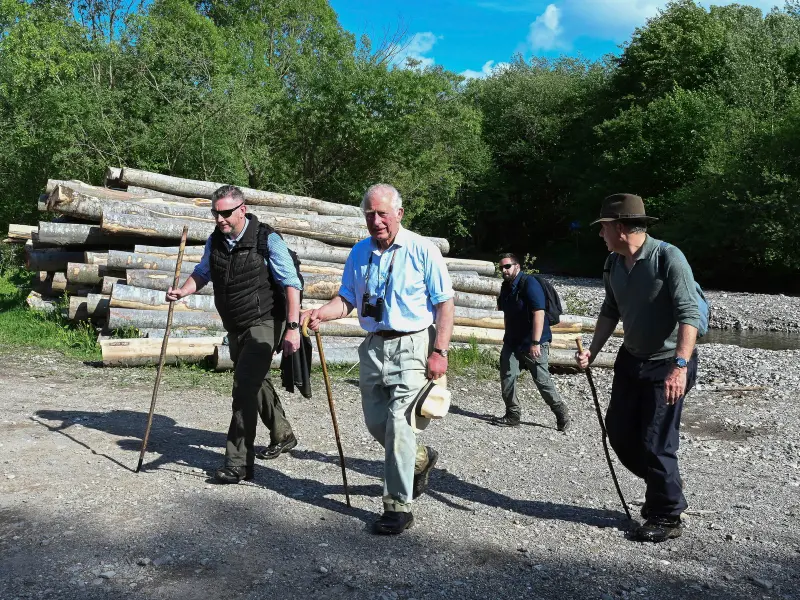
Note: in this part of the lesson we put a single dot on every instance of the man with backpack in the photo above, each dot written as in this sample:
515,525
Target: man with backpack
526,344
256,290
650,286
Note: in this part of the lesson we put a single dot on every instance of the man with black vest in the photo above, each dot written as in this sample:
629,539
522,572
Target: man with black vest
256,287
526,343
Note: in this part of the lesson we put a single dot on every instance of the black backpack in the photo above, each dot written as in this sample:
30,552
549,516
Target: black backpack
552,303
262,245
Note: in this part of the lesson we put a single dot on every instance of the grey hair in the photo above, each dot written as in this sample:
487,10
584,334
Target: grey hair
397,200
634,227
227,191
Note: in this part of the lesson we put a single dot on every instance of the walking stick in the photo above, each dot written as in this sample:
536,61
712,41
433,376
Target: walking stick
605,435
332,408
163,348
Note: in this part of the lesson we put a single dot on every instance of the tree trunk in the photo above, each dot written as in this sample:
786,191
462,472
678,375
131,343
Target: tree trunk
141,192
91,306
475,301
119,318
138,352
95,258
476,284
587,324
50,259
204,189
91,274
131,260
181,332
160,280
108,284
126,296
58,282
191,253
74,234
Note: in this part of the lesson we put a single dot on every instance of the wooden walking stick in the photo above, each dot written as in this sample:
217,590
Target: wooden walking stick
605,434
163,348
332,408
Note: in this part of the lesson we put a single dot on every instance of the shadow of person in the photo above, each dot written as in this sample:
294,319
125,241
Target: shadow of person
457,410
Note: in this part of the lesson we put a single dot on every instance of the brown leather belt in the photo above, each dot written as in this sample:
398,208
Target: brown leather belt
391,334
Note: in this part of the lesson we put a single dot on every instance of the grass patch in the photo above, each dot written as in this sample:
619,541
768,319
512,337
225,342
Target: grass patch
472,360
22,327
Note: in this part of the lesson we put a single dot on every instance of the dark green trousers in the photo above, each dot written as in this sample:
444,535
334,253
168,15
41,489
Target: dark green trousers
253,394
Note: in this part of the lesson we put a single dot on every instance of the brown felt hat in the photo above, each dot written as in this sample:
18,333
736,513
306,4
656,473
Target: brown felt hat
623,207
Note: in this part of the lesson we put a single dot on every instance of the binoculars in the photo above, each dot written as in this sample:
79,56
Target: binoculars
372,310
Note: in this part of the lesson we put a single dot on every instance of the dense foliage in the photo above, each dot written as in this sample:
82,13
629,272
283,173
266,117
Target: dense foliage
700,114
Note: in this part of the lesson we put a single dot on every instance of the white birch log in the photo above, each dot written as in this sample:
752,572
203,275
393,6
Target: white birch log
126,296
120,318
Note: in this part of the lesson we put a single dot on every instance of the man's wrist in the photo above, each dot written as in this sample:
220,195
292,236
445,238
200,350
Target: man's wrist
441,352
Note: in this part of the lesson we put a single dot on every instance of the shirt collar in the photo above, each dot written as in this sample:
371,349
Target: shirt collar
241,233
400,239
646,251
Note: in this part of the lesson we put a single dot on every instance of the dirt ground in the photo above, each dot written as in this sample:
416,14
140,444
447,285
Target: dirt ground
511,513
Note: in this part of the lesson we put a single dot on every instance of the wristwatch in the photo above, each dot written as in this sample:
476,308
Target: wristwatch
293,325
442,352
680,362
536,343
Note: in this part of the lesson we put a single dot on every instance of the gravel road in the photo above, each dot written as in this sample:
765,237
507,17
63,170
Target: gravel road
511,513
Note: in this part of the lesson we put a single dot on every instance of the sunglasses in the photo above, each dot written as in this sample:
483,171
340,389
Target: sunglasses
508,266
225,214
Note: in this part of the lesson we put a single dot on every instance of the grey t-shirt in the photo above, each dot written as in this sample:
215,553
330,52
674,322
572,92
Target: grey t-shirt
652,299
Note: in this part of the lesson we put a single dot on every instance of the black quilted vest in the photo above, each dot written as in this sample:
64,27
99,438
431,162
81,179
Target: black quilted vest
245,292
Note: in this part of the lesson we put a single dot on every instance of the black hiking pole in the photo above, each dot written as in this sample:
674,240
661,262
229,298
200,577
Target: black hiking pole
163,347
605,435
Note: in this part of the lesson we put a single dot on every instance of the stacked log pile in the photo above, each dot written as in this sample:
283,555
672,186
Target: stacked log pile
113,250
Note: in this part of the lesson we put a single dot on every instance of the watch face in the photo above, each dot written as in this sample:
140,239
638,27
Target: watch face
681,362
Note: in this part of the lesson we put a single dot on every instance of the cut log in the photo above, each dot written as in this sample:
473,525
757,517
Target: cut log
21,232
53,288
334,355
126,296
204,189
74,234
77,309
91,274
50,259
108,284
97,305
191,253
58,282
476,284
112,179
120,318
95,258
588,323
482,267
566,358
131,260
137,352
141,192
160,280
475,301
181,332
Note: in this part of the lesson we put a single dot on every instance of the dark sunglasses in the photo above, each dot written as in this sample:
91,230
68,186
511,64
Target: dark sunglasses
225,214
508,266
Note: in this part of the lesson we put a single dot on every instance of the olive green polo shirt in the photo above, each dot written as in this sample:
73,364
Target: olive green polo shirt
651,299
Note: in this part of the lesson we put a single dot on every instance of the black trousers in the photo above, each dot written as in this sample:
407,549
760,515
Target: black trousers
644,430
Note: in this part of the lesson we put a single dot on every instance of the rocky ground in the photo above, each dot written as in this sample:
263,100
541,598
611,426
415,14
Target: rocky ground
729,310
520,513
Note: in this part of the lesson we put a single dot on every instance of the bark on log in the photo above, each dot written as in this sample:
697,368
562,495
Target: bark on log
137,352
160,280
587,323
344,355
21,232
91,274
204,189
119,318
50,259
126,296
75,234
108,284
482,267
97,305
181,332
36,301
77,309
475,301
131,260
191,253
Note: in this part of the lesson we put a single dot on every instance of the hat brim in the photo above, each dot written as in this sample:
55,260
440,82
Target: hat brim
644,218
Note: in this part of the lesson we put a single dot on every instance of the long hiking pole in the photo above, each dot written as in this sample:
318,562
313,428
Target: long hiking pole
163,348
605,435
331,407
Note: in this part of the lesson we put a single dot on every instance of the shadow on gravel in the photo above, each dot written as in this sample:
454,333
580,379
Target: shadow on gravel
457,410
443,484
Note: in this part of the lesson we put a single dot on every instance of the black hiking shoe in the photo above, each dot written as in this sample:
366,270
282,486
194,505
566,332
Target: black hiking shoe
421,478
505,421
659,529
233,474
275,450
393,523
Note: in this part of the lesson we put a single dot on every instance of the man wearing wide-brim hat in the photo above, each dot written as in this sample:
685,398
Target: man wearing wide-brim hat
650,286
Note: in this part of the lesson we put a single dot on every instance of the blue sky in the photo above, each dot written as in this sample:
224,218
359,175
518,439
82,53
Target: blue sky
473,36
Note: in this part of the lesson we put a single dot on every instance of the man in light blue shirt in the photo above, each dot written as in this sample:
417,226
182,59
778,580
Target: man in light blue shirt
256,292
399,284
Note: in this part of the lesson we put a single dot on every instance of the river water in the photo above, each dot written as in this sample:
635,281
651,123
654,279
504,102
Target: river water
765,340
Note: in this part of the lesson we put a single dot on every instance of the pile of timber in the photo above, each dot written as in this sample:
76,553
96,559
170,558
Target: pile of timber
113,250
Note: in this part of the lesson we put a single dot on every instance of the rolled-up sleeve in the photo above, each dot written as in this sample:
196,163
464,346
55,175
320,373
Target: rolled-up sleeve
281,264
347,289
202,272
437,277
680,282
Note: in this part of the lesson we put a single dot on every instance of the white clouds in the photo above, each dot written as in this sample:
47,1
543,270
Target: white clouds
489,67
417,47
546,30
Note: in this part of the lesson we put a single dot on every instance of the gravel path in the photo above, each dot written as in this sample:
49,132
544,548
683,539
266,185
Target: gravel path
520,513
729,310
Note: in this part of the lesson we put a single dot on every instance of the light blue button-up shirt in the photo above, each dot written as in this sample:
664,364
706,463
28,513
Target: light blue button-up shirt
419,280
280,262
